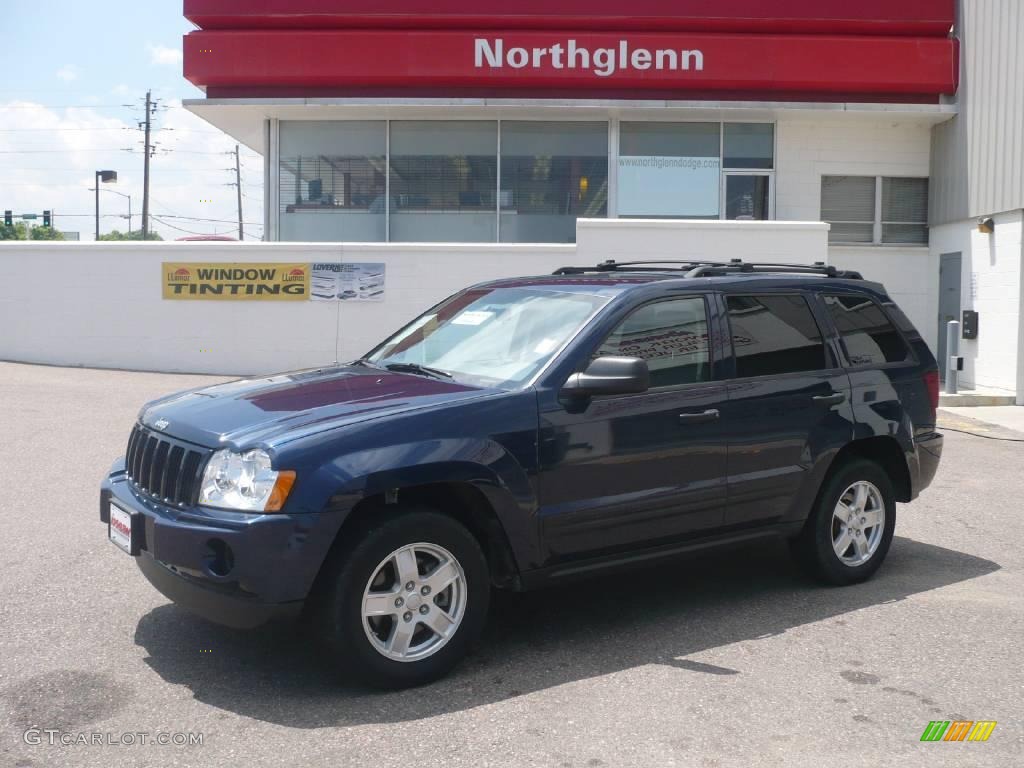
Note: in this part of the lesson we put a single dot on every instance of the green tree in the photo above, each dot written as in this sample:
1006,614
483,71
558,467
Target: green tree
45,233
135,234
18,232
22,231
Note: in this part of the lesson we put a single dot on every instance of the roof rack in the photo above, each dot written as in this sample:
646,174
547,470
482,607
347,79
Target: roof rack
695,268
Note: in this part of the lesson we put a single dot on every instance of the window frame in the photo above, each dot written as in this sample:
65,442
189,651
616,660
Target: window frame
910,360
878,223
833,364
712,379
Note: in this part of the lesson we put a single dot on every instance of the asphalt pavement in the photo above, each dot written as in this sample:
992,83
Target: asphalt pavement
730,660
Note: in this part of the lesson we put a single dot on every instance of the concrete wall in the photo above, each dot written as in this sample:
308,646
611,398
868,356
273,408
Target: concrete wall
861,145
100,305
992,285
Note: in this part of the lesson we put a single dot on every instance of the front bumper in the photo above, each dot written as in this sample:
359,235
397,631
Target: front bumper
236,569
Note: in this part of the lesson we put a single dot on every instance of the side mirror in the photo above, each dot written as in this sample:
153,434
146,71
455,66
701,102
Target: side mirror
610,376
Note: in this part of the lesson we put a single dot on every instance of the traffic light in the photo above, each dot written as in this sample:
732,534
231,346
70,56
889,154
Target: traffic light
46,218
8,218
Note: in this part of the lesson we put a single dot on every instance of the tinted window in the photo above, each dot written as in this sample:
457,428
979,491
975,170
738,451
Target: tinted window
672,336
773,335
870,338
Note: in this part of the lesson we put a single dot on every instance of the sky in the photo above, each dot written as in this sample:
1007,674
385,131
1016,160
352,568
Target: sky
73,85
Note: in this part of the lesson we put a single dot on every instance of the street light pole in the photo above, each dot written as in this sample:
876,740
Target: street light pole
106,177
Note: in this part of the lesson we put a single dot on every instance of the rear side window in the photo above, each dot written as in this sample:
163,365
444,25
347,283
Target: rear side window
772,335
867,333
672,336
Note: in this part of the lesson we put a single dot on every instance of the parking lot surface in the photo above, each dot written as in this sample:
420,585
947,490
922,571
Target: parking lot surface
731,660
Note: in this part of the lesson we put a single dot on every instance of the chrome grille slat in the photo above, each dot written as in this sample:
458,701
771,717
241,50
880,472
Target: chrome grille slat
146,463
129,454
163,467
172,468
156,466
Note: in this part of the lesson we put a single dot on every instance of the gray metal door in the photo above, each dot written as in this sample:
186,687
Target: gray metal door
949,299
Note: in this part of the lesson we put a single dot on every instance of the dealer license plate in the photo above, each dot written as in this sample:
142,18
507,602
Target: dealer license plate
121,528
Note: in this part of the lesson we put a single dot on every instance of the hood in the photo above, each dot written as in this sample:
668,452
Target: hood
251,411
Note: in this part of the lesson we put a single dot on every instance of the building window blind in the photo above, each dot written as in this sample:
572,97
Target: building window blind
848,204
905,211
875,210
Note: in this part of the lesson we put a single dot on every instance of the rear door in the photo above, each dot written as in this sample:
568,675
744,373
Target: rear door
789,406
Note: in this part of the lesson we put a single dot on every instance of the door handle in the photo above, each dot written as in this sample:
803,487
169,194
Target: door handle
835,399
699,418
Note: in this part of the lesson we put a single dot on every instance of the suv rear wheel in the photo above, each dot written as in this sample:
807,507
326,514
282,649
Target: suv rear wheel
407,601
850,528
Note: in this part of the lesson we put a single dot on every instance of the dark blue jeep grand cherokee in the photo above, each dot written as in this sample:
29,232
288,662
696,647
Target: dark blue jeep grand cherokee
532,430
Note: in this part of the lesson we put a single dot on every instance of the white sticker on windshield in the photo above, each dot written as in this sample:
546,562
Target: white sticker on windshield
473,317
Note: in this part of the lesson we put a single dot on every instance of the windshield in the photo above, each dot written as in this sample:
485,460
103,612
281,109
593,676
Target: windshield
492,337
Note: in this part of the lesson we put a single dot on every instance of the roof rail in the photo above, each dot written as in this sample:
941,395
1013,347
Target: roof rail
681,265
697,268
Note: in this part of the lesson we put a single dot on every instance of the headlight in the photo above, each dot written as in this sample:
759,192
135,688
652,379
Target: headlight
244,481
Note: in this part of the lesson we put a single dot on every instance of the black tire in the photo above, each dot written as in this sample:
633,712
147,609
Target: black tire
345,578
813,548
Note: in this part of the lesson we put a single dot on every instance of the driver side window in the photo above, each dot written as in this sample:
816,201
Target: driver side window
672,336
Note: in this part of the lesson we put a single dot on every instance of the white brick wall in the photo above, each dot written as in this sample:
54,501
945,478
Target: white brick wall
861,145
991,284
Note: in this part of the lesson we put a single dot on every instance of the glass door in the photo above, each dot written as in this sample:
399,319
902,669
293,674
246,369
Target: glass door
748,196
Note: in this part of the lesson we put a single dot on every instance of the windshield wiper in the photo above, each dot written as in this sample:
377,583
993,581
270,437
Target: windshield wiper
423,370
364,363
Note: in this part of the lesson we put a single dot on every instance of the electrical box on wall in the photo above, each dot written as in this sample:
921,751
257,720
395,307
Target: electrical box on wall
970,324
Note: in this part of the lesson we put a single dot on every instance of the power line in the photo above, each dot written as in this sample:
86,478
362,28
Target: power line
166,224
58,151
44,130
163,215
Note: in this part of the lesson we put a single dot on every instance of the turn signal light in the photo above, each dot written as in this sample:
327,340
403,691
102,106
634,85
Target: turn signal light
278,496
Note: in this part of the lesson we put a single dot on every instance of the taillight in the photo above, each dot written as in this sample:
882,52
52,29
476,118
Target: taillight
931,383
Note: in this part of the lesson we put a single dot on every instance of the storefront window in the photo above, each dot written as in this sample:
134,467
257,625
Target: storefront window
749,145
670,170
332,181
551,174
444,179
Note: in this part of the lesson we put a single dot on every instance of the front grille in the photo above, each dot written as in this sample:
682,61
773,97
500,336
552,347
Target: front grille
163,468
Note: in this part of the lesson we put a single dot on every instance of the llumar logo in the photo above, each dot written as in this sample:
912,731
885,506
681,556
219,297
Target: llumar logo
958,730
182,275
296,275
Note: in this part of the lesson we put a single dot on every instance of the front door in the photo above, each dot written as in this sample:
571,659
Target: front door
620,472
950,282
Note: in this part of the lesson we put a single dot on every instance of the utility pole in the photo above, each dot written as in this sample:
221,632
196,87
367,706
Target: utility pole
238,184
145,171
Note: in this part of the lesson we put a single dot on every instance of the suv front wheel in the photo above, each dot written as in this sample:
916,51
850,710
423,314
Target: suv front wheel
407,600
850,529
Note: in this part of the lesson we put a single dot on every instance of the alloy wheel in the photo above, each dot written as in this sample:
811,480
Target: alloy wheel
414,602
858,523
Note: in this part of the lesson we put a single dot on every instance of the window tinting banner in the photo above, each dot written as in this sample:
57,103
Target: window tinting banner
236,282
